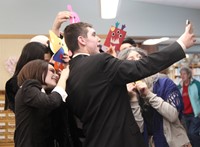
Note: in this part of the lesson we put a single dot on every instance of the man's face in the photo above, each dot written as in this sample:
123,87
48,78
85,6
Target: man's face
92,41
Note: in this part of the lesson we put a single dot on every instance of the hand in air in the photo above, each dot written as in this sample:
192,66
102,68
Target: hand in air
188,38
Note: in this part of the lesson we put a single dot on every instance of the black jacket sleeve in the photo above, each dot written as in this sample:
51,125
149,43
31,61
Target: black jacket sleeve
34,97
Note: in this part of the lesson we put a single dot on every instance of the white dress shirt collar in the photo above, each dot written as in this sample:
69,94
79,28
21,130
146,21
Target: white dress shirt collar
75,55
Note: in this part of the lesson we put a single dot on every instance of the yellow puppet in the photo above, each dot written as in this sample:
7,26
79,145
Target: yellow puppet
59,48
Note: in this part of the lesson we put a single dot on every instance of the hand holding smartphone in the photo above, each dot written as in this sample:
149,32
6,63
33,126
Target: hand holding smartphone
187,23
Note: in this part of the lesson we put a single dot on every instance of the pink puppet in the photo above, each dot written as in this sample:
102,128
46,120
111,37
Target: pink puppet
74,16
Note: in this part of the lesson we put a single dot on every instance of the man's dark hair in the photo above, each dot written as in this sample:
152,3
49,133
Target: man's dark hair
72,32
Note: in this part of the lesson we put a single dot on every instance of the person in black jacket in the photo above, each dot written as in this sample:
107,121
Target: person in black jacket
96,89
33,106
31,51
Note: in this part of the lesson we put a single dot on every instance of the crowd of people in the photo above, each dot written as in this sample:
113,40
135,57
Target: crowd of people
102,99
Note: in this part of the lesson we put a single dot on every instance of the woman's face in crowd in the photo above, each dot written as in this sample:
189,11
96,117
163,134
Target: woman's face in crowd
51,78
184,76
124,46
47,57
133,55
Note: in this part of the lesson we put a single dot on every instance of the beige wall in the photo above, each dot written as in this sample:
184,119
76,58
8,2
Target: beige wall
10,46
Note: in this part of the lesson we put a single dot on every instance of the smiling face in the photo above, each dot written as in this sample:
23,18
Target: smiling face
51,77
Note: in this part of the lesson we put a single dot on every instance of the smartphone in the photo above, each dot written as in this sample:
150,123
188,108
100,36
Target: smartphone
187,22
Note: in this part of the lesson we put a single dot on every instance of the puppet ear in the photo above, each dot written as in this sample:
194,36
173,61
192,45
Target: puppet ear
55,42
81,40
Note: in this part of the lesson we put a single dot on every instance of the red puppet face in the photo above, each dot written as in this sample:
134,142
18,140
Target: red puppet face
115,37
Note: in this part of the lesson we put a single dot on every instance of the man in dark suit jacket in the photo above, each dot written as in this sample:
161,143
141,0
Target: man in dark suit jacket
96,89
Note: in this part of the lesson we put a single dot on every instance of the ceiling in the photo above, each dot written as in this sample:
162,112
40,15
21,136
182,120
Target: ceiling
195,4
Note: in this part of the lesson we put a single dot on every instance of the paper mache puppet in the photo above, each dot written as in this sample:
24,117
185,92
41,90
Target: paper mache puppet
58,45
115,36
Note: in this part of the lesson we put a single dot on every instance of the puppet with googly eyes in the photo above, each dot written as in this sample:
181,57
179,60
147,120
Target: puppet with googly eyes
115,36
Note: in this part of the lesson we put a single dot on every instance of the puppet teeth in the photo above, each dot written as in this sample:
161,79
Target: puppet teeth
114,41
